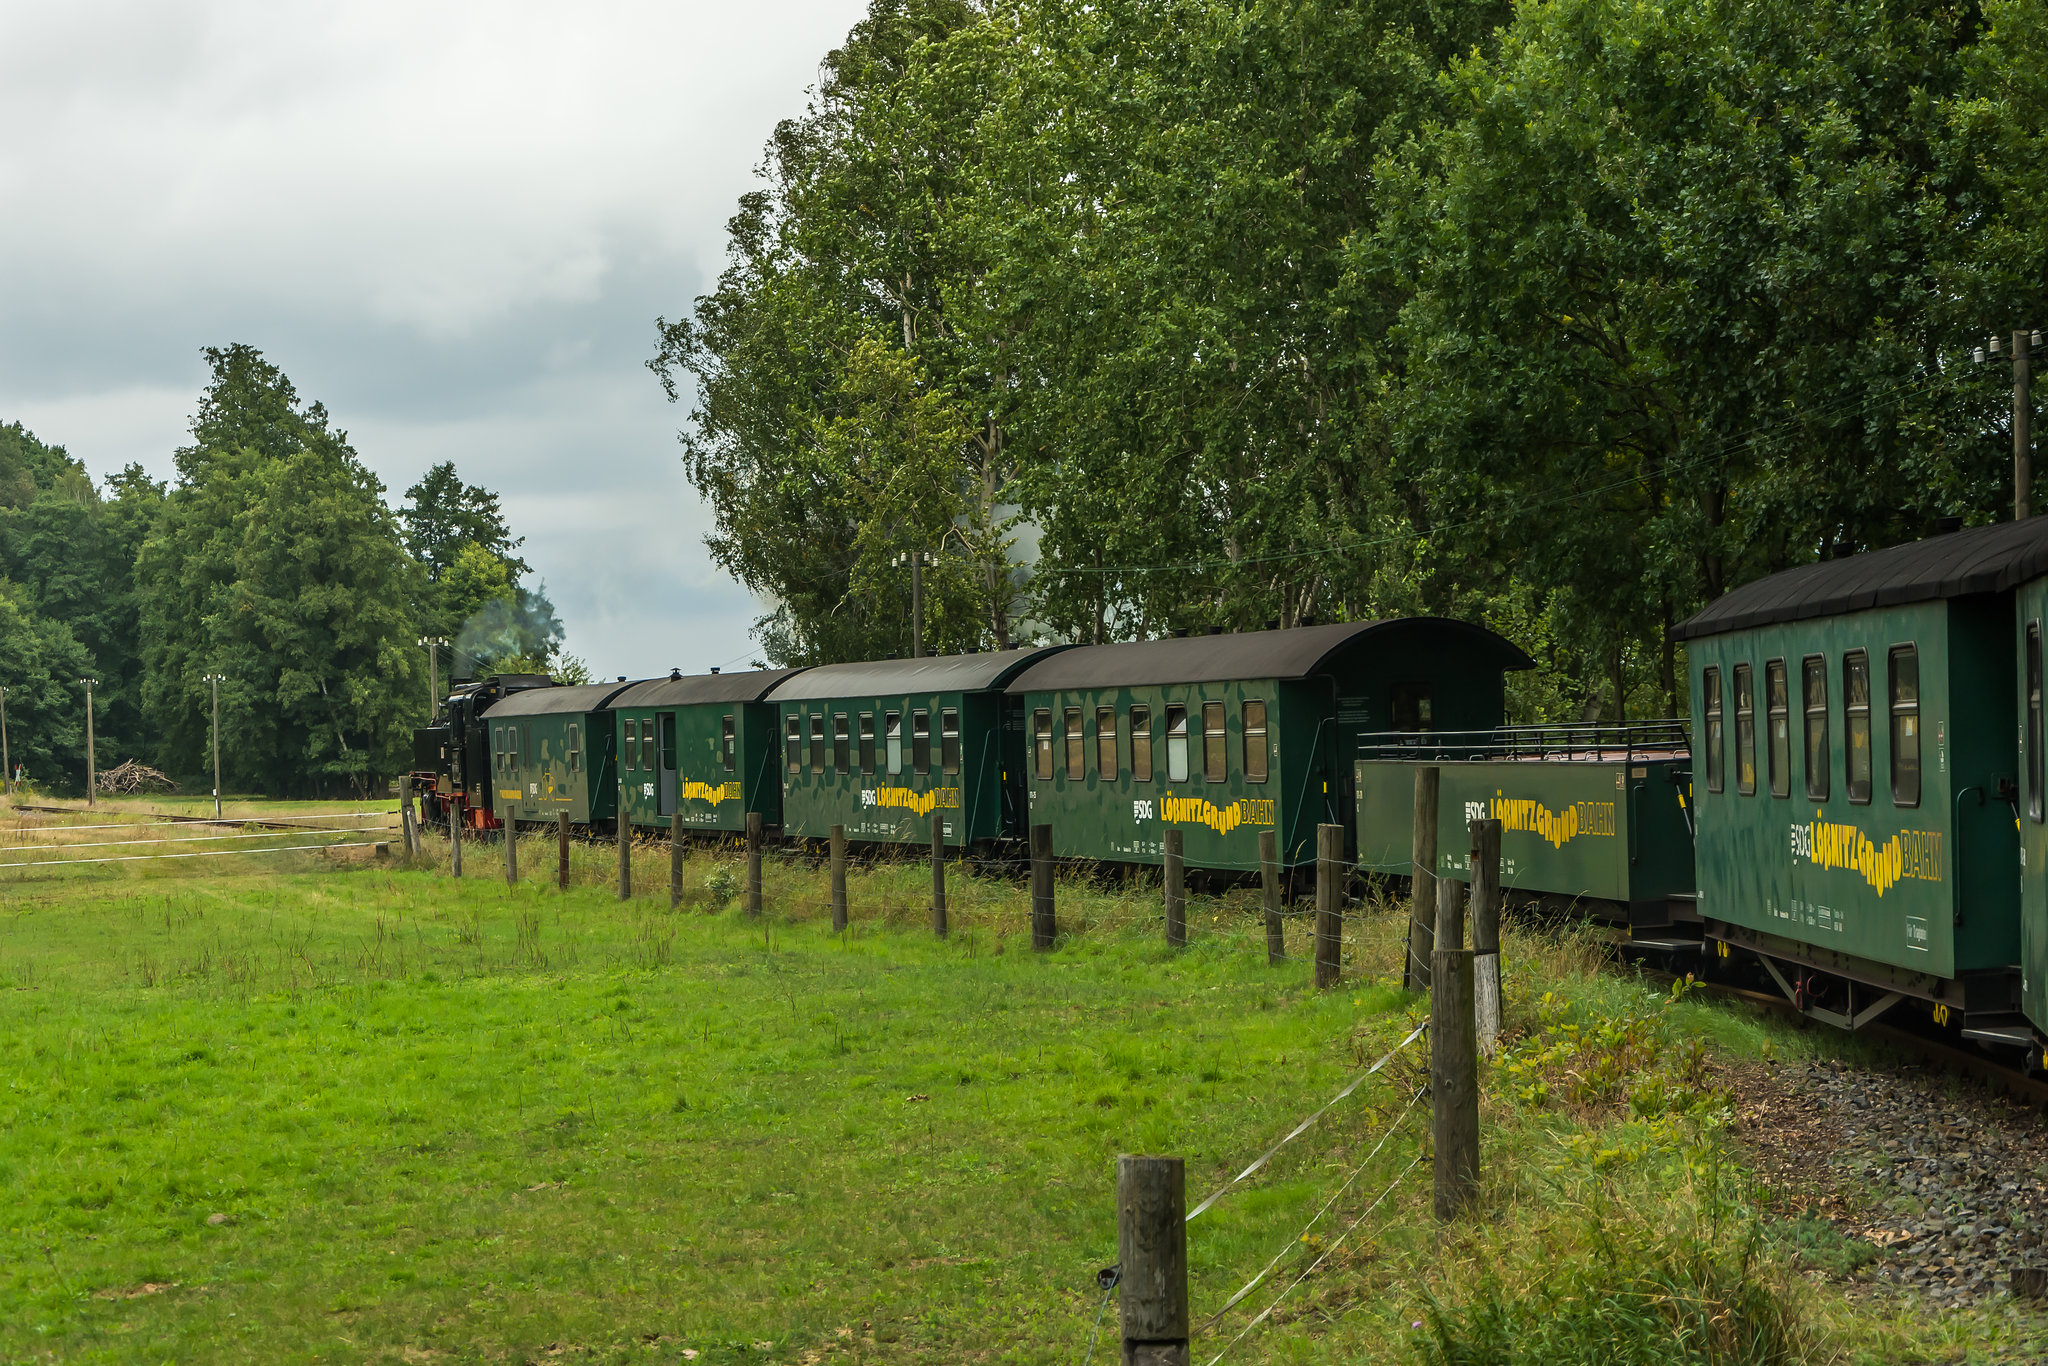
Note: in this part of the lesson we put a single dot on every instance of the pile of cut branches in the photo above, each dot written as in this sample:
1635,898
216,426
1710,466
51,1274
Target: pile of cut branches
130,778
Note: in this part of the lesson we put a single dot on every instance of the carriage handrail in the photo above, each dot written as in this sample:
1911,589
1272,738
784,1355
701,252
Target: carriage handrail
1583,741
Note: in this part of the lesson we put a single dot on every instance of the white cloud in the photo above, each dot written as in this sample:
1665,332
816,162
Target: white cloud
453,223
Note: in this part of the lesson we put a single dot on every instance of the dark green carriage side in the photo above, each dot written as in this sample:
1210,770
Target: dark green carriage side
1854,727
1225,736
1592,818
2029,624
837,765
703,745
552,751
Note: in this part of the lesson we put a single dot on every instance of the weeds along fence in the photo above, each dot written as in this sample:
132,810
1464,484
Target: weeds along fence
45,843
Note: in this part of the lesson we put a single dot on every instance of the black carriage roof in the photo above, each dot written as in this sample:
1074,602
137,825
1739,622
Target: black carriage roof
1984,559
890,677
1295,652
690,689
553,701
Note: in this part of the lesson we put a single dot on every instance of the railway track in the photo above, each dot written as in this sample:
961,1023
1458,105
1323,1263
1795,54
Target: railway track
237,821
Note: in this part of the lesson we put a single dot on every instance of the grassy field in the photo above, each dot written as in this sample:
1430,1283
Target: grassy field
326,1108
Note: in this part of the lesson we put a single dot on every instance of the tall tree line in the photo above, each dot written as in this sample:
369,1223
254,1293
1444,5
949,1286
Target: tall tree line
272,562
1162,314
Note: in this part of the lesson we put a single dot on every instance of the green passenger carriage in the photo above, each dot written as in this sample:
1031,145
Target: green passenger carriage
1856,736
702,746
1593,816
1224,736
882,748
552,751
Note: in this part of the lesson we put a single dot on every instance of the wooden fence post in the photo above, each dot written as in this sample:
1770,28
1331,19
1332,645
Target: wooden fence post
754,827
625,842
562,851
1269,893
1176,891
1453,1081
454,840
938,873
1486,933
1044,924
1152,1251
675,857
511,852
408,823
1422,892
1329,905
838,879
1450,913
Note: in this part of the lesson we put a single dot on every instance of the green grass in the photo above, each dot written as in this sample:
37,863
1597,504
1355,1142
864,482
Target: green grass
370,1113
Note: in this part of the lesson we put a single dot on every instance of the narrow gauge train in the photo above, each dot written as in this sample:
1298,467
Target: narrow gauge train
1857,821
1221,735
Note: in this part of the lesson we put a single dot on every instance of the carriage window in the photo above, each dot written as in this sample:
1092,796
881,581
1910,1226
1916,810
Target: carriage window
1745,731
629,745
892,740
1141,744
2034,766
921,741
867,742
668,742
817,742
1856,725
1778,715
1905,700
949,741
1255,742
1105,743
498,748
1813,702
726,747
511,749
1212,742
1411,709
793,743
575,748
842,756
1710,689
1176,744
1041,743
1074,745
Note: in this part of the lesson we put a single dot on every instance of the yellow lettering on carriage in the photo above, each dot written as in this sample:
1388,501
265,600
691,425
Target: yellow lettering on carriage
1559,828
1222,819
917,803
713,793
1909,855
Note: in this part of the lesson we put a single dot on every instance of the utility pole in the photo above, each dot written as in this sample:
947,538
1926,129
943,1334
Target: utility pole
6,768
2024,340
214,679
91,798
917,560
433,644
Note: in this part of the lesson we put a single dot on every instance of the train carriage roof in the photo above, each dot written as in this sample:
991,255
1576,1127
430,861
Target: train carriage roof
691,689
553,701
1295,652
905,677
1985,559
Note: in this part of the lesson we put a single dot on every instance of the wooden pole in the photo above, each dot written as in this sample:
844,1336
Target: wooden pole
1422,897
214,679
675,857
511,851
938,873
1450,913
1176,891
1453,1081
454,840
625,842
1269,892
838,879
754,828
408,821
1486,933
91,798
1044,923
562,851
1152,1251
7,764
1329,905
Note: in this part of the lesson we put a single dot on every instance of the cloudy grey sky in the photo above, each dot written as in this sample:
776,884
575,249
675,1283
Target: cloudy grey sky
452,223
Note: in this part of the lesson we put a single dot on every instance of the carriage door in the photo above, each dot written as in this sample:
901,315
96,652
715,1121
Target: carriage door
667,785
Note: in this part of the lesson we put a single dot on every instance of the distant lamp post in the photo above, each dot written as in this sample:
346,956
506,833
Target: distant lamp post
215,680
91,779
917,560
2023,343
433,646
